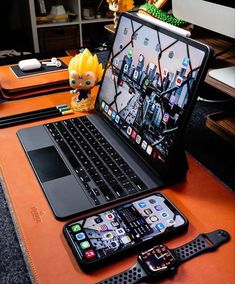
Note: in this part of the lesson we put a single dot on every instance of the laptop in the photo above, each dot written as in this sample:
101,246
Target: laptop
132,143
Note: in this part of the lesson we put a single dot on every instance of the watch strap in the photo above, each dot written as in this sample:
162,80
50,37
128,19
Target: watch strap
201,244
130,276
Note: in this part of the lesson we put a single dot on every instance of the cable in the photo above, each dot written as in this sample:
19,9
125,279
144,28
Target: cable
200,99
223,51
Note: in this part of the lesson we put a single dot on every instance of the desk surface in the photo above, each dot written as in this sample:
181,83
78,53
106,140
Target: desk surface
206,202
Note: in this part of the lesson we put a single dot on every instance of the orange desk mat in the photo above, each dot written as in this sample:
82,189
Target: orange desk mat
13,87
206,202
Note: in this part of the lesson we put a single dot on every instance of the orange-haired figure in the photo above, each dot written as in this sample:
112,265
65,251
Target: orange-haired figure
118,6
85,72
157,3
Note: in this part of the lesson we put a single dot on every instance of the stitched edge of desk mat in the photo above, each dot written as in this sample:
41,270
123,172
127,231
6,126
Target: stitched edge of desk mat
16,228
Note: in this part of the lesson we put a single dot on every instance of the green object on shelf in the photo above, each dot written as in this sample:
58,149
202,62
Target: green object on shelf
150,9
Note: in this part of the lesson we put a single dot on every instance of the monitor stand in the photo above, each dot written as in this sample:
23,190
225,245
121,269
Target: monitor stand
224,75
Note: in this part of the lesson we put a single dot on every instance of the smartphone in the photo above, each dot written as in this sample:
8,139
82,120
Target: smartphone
99,237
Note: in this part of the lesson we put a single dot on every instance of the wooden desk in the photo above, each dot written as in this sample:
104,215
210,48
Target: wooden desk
218,43
222,123
206,202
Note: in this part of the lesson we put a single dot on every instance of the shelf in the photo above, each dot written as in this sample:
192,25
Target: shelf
75,8
76,22
48,25
218,43
101,20
222,123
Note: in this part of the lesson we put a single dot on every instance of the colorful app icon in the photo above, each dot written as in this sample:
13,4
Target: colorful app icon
170,221
110,112
114,224
165,72
146,82
166,117
172,99
146,41
176,117
116,61
185,62
113,115
114,244
90,253
109,216
85,245
120,231
148,211
106,108
153,218
133,135
117,118
103,228
108,236
159,226
80,236
129,130
142,204
154,155
152,201
135,75
144,145
135,35
103,105
76,228
138,139
158,47
98,220
149,150
158,207
171,54
125,239
179,81
164,214
125,68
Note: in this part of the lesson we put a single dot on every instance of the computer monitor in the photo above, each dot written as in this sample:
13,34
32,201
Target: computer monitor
215,15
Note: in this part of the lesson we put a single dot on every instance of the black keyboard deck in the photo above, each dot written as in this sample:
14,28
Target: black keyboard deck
102,171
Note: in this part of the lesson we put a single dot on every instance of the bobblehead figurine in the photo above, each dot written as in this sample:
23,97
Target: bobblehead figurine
85,72
119,6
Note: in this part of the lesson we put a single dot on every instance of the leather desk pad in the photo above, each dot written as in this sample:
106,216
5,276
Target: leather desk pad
13,87
207,204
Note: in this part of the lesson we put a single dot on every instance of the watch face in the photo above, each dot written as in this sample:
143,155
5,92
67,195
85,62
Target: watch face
157,260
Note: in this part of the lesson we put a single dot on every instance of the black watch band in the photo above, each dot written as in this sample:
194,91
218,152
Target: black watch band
201,244
130,276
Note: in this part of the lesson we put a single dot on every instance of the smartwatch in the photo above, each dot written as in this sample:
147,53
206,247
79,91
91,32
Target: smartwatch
161,260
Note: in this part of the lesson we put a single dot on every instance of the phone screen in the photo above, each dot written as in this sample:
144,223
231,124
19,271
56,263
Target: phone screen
101,235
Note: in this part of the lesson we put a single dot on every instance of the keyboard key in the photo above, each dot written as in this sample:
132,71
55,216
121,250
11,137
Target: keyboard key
107,192
98,166
119,190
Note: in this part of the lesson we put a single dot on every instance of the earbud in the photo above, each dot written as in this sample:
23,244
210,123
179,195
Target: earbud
54,62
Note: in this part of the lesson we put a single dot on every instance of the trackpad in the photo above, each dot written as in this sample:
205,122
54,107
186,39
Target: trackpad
48,164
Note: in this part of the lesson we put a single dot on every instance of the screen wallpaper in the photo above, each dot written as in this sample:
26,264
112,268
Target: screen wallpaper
124,226
147,86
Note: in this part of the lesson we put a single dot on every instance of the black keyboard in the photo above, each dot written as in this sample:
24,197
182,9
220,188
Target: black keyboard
102,171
